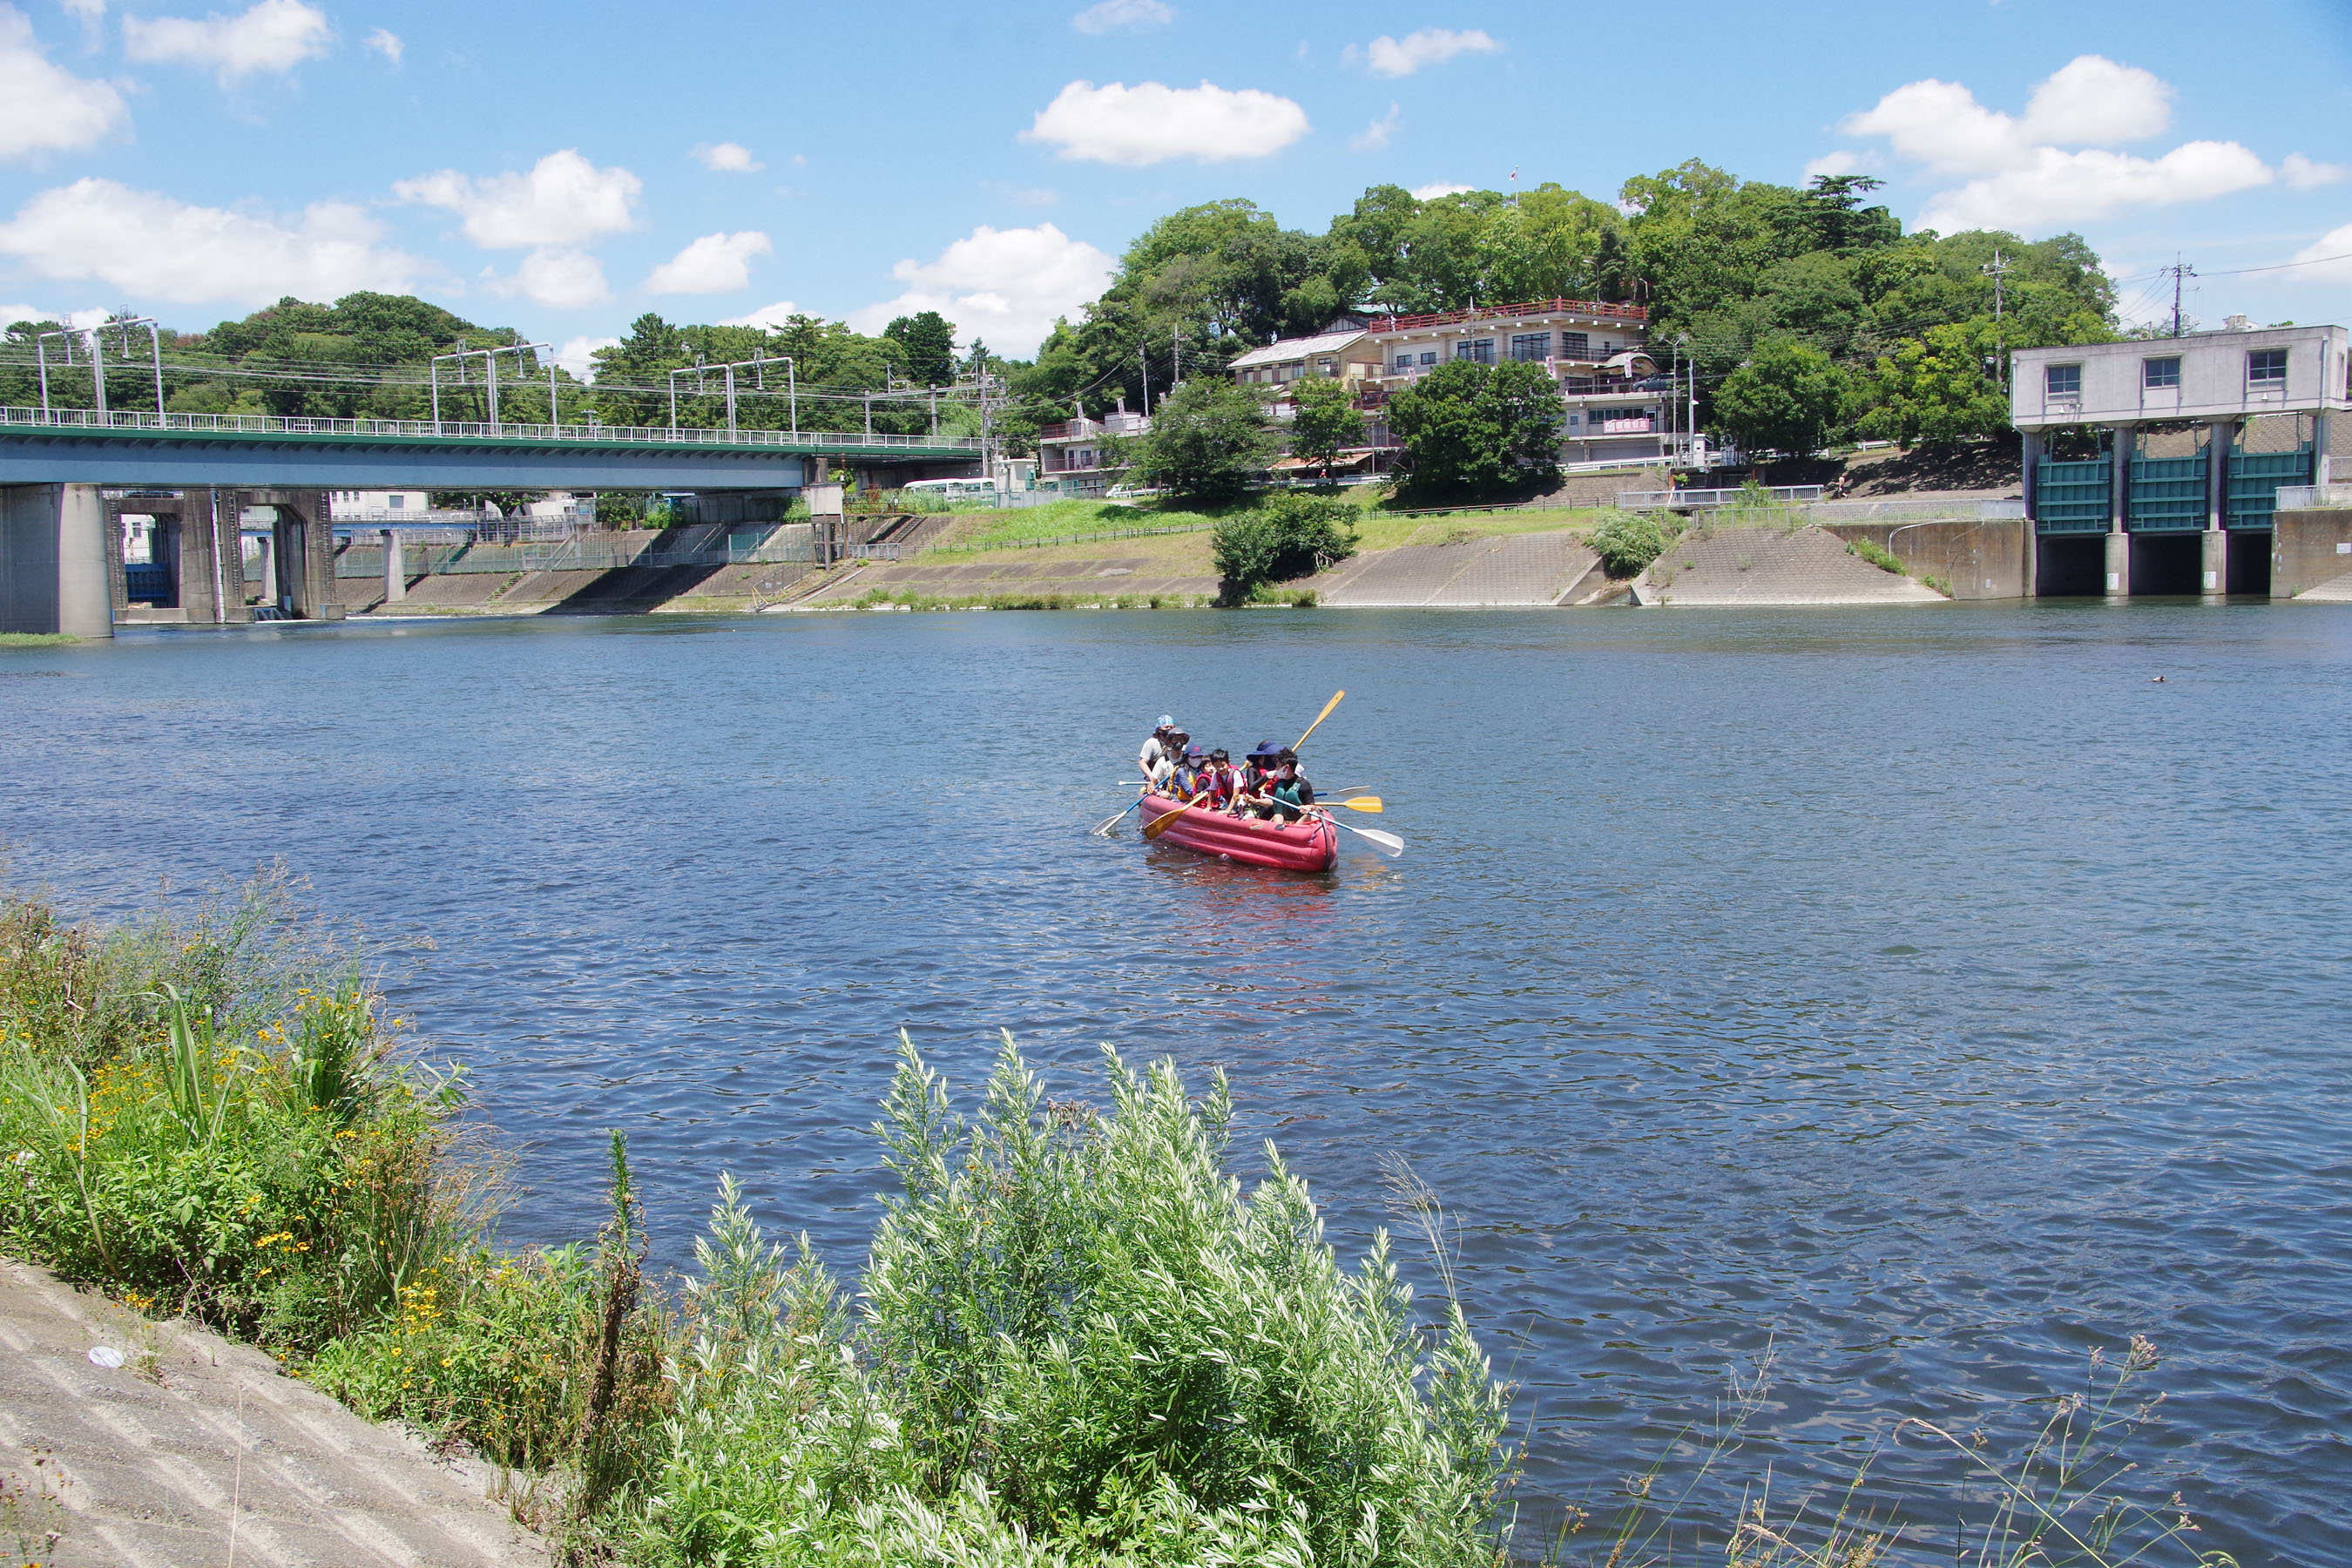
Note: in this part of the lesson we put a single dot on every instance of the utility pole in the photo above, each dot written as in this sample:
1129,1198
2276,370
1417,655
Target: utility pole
1999,270
1175,355
1146,364
2179,271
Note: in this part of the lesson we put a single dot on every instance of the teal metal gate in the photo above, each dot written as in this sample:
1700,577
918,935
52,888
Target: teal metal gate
2254,481
2073,497
2168,495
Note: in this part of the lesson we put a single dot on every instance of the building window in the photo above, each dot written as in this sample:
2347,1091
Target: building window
1477,350
1428,356
2266,367
1575,346
1531,345
396,502
2062,380
1403,363
2156,373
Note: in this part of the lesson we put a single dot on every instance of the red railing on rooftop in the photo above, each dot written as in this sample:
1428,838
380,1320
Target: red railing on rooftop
1526,308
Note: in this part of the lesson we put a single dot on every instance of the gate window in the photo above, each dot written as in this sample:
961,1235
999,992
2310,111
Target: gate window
2156,372
2266,367
2063,380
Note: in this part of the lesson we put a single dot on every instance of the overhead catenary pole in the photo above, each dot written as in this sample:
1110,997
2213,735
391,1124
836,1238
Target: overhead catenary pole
1999,270
2179,271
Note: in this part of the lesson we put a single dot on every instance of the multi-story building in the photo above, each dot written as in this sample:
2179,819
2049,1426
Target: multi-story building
1617,405
1070,455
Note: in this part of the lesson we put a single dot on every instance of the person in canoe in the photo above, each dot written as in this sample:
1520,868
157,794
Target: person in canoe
1254,789
1290,791
1155,745
1191,778
1220,779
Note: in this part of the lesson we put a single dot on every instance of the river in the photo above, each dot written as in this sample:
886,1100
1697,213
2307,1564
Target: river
1921,999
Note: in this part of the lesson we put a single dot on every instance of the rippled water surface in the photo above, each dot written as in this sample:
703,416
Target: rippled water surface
1930,997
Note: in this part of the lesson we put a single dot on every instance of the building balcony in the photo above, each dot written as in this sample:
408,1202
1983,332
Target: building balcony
1595,308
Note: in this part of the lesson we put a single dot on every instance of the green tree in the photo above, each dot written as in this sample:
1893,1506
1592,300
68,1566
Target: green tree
1476,430
1326,422
928,342
1210,440
1935,390
1788,397
1287,534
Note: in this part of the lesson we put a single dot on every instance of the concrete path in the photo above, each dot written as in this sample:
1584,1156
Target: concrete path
197,1453
1512,569
1761,566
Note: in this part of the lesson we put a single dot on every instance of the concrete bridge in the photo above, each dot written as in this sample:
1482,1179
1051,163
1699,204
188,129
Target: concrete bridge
60,556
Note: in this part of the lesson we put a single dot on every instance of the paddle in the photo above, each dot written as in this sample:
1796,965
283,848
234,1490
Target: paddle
1388,843
1158,824
1102,829
1320,717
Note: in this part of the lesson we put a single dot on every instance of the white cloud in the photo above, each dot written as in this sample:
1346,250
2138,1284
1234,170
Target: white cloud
2055,188
2334,251
1429,47
1151,122
1372,138
557,277
155,248
575,355
1441,188
2090,101
1003,286
727,158
715,264
775,315
1122,15
2308,174
274,36
564,200
1838,162
42,108
2054,164
87,10
386,42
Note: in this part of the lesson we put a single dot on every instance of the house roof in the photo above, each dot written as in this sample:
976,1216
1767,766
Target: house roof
1282,350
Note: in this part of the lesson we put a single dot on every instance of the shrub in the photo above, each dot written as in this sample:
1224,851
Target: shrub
1077,1340
1627,542
1884,559
1287,534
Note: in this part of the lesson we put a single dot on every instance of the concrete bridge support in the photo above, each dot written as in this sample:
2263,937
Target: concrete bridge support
396,570
198,537
301,552
53,561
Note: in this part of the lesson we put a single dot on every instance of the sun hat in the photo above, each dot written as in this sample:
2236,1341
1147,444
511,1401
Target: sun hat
1166,722
1266,749
1194,752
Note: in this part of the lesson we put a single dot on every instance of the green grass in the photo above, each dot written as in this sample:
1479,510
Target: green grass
1076,1339
36,640
1884,559
1062,520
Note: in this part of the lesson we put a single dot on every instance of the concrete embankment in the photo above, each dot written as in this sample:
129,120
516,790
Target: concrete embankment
1516,570
1709,567
190,1449
2311,554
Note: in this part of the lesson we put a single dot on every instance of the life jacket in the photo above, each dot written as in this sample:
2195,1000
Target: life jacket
1217,782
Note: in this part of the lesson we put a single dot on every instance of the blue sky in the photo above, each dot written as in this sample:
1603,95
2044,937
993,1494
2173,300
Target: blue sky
564,167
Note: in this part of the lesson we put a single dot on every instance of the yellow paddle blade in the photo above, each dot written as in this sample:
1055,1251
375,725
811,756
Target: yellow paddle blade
1158,824
1361,803
1320,717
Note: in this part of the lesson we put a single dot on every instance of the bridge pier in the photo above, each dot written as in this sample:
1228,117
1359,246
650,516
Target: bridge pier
198,544
300,574
396,570
53,561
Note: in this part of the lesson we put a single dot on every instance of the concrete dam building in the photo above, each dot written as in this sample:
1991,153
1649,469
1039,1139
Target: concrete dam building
2154,466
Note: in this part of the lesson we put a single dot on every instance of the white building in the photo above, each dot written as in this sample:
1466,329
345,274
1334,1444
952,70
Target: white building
1618,408
1071,454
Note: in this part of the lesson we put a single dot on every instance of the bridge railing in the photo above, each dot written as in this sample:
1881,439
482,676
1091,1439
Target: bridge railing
133,420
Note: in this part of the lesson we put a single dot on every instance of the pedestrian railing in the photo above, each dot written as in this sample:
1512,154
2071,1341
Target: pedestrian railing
135,420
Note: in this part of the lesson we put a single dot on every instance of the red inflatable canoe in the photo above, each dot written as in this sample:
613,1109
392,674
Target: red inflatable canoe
1311,844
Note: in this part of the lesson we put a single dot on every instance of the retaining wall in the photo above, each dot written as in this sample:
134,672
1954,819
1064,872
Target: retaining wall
2309,548
1976,560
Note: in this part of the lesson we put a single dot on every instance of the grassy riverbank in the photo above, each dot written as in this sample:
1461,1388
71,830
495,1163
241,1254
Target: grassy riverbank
1075,1339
